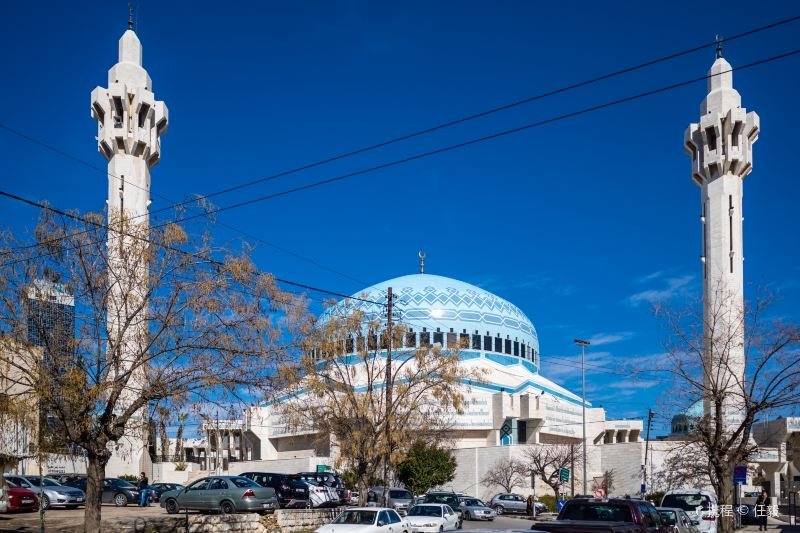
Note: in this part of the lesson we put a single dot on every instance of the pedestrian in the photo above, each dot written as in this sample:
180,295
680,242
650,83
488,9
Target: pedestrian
529,505
144,500
761,510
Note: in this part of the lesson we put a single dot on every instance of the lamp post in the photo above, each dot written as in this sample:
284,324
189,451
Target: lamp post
583,344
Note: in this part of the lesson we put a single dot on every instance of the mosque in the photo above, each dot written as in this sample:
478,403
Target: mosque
515,405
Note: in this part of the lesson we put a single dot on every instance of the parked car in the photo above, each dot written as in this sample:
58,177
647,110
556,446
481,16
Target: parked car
367,520
447,498
690,500
20,499
397,498
354,496
508,503
157,489
291,491
475,509
605,515
330,480
115,490
52,493
226,494
677,519
433,518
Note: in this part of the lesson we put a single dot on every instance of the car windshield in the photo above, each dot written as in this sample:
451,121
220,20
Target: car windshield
122,483
687,501
47,482
668,517
400,494
597,511
474,502
11,484
362,518
242,482
425,510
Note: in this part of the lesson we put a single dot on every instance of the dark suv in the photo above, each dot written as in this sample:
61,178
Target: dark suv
290,490
329,479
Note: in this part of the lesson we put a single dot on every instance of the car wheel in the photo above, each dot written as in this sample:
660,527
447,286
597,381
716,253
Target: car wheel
172,506
45,502
460,524
120,500
491,520
227,507
441,528
498,509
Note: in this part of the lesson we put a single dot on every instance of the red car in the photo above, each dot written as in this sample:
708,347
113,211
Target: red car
20,499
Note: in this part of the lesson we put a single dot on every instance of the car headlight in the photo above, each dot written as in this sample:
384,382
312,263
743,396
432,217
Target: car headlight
429,524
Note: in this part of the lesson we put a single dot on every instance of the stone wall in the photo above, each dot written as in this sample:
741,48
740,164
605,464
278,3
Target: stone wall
283,521
289,520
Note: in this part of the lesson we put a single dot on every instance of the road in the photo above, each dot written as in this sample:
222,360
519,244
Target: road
501,523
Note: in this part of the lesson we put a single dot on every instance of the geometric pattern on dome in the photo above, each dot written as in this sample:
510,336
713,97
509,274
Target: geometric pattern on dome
416,296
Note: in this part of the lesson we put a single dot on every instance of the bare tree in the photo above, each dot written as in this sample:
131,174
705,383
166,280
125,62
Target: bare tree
740,364
506,473
337,392
155,320
545,461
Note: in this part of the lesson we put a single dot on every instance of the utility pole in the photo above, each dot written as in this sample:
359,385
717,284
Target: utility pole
646,451
572,468
388,387
583,344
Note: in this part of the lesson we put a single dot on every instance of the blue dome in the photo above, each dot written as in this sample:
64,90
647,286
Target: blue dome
440,305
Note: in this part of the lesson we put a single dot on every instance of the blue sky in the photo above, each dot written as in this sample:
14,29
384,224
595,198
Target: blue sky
581,223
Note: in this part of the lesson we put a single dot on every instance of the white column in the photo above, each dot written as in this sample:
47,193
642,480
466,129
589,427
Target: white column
721,149
130,123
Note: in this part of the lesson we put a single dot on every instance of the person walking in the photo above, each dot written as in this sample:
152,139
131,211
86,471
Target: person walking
529,505
761,510
144,500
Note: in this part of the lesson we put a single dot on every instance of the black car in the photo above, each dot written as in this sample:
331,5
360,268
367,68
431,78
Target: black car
291,491
116,491
447,498
329,479
157,489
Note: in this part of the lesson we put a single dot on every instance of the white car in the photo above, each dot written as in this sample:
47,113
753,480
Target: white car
366,520
433,518
700,505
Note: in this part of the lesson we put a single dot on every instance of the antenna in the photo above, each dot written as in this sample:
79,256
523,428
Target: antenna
719,46
422,256
130,16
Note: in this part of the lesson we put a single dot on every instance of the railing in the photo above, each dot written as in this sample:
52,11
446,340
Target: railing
174,459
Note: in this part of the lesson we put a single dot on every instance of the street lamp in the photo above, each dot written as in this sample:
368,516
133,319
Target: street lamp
583,344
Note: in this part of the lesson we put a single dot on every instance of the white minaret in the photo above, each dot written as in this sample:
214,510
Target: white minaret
721,150
130,123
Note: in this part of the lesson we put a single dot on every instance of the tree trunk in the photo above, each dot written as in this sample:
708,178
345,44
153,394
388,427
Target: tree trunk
96,472
724,489
179,442
162,428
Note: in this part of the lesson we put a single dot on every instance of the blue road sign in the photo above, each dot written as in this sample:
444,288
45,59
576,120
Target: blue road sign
560,504
740,475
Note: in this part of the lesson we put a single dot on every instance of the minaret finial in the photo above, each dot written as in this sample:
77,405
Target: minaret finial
719,46
130,16
421,262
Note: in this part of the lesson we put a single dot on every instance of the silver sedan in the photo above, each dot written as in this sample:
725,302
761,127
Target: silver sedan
226,494
475,509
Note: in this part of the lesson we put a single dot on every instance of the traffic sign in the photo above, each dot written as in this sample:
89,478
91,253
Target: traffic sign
563,475
323,468
740,475
560,504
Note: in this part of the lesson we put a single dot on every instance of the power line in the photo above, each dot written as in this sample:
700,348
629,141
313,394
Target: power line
406,136
149,241
495,135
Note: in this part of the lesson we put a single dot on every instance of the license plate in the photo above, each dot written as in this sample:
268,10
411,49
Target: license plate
27,500
267,505
78,499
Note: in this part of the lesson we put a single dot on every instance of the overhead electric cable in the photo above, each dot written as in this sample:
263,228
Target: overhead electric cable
411,135
495,135
149,241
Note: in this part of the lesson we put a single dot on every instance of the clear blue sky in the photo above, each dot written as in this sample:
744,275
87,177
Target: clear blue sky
579,223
